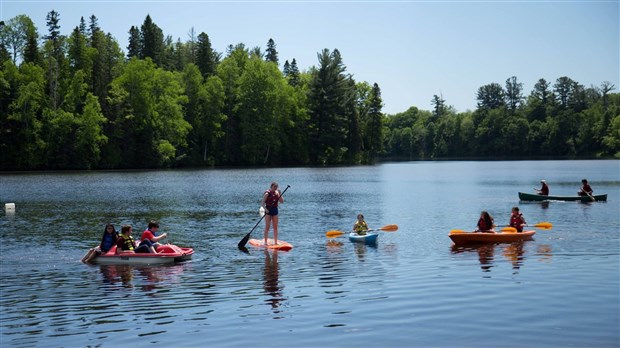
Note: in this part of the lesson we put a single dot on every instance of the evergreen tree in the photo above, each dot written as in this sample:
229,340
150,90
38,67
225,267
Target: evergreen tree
82,27
374,128
490,96
53,27
514,94
272,54
328,123
152,41
134,49
93,26
439,103
293,76
286,68
206,58
77,51
55,59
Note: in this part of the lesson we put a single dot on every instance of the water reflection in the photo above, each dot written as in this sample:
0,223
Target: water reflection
334,246
271,282
512,252
544,252
147,278
362,248
113,274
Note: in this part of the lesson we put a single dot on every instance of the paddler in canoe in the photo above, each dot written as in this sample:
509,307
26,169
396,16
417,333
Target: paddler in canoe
485,223
270,201
544,189
585,190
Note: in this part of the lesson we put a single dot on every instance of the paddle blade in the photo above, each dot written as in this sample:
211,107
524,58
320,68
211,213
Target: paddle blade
334,233
508,229
544,225
457,231
389,228
244,241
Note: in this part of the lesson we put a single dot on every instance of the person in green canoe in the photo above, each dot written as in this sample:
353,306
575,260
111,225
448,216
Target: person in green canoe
544,189
360,226
585,190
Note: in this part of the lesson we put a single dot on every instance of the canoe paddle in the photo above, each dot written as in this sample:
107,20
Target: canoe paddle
245,239
589,195
386,228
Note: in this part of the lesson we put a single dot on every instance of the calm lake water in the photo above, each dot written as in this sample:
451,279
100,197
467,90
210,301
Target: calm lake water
413,288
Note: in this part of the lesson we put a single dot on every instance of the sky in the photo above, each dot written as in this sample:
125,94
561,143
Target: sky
411,49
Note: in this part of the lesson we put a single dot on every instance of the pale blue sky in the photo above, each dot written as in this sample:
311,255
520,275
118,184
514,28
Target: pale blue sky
412,49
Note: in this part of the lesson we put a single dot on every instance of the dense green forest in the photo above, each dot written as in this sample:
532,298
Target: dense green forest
83,101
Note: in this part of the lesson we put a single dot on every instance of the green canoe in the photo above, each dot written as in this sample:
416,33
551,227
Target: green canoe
534,197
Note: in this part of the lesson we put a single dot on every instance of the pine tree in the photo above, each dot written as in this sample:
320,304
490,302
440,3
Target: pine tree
328,119
206,58
272,54
375,123
293,77
53,27
439,105
134,49
31,51
286,69
152,41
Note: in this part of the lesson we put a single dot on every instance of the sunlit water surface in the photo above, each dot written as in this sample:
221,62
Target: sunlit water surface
413,288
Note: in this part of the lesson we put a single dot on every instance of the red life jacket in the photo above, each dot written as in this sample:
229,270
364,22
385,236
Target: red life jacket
482,225
272,199
516,221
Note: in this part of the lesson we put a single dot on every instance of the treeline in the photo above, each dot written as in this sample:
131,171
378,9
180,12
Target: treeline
563,120
81,102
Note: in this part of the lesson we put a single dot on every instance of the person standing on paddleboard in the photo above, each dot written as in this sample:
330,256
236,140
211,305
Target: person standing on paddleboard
270,201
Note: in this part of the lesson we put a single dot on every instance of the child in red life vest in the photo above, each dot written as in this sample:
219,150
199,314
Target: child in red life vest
517,220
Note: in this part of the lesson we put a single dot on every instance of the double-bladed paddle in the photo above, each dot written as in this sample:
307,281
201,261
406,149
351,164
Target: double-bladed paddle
386,228
245,239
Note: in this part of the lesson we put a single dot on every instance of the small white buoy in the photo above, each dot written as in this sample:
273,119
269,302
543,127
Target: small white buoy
9,207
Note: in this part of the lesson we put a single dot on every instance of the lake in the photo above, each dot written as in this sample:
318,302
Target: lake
412,288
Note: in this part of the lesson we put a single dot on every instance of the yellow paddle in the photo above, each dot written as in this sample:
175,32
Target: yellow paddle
543,225
386,228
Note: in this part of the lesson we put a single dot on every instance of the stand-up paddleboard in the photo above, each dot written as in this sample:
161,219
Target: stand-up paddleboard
282,245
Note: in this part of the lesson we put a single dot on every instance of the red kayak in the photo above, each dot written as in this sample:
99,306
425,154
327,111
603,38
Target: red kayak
490,237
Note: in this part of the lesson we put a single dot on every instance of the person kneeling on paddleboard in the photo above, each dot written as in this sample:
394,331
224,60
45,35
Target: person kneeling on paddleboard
270,201
360,226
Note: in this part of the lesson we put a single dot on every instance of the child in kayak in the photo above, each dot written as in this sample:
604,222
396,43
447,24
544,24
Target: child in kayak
485,223
360,226
517,220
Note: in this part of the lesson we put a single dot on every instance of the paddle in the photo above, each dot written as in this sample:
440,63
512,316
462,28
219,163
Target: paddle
589,195
544,225
386,228
245,239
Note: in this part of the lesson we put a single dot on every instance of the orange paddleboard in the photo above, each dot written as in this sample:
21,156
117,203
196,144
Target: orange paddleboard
282,245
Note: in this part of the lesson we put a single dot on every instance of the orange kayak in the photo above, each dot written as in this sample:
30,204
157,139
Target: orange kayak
485,237
282,245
